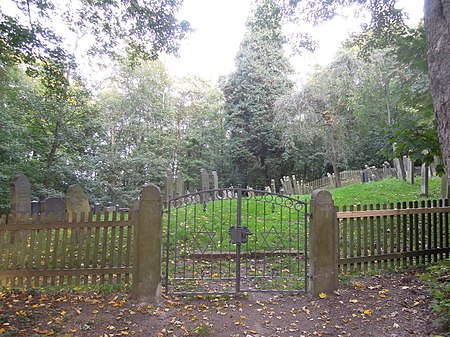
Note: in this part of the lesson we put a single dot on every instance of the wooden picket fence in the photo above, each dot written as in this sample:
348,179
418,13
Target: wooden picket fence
46,250
393,236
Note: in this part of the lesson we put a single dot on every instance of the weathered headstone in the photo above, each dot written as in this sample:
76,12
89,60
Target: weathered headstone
179,184
283,188
398,165
35,208
169,186
288,183
97,207
387,170
215,179
410,171
364,176
76,202
297,189
204,179
272,186
20,196
54,205
424,183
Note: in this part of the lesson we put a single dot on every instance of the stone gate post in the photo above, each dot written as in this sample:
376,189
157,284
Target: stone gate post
148,246
323,244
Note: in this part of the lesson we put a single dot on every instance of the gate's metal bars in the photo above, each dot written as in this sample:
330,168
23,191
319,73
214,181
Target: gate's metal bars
264,263
167,249
305,222
238,244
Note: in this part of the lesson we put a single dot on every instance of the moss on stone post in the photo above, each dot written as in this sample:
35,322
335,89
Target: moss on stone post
148,245
323,244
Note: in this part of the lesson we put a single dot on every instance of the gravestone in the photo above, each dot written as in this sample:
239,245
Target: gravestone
97,207
35,208
76,202
179,184
330,179
204,179
398,165
410,171
288,184
215,179
387,171
297,189
364,176
424,184
54,205
20,196
169,186
272,186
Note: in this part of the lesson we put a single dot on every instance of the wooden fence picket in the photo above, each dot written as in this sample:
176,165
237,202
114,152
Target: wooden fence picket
393,236
46,250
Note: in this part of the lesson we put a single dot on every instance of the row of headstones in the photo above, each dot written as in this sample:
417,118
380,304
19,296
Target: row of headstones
174,186
289,185
406,171
75,201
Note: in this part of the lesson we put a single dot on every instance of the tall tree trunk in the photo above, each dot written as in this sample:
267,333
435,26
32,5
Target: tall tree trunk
437,27
334,164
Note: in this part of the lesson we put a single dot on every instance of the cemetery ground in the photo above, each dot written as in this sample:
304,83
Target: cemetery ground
384,304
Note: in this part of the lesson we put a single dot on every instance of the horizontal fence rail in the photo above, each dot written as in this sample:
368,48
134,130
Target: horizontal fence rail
393,236
46,250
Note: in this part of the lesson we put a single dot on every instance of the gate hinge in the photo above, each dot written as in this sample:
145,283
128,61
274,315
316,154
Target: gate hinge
239,234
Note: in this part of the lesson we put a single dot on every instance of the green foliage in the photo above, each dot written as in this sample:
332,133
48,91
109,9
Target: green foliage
199,129
134,146
139,29
261,78
438,278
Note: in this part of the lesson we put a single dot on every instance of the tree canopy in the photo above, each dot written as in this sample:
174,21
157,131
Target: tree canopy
261,78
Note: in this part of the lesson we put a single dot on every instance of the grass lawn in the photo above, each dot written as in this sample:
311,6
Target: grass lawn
382,192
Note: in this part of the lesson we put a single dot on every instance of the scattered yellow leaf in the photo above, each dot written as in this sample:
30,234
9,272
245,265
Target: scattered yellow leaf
368,312
354,301
358,285
2,330
323,295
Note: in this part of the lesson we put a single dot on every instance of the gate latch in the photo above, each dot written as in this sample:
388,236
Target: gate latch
239,234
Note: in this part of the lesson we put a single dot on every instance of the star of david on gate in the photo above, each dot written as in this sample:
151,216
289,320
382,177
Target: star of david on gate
273,233
203,238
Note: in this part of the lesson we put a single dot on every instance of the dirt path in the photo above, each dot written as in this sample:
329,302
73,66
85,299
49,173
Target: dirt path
388,305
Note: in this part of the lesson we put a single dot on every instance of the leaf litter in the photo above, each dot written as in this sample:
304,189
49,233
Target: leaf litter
371,306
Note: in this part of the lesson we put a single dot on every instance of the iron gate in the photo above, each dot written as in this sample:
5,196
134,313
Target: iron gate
232,240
